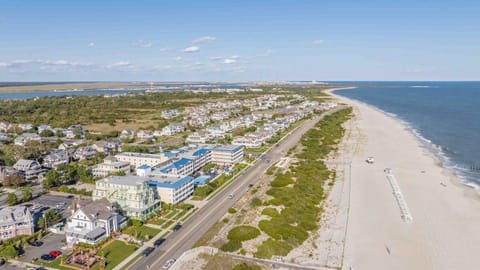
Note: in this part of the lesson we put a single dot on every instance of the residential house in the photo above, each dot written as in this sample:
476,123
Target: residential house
145,135
25,127
130,193
215,131
15,221
127,133
107,146
93,222
55,159
173,128
169,114
25,137
111,165
199,137
4,126
26,164
86,152
42,128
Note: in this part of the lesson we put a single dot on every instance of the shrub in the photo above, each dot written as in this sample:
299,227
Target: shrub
232,210
282,180
272,247
243,233
231,246
272,212
256,202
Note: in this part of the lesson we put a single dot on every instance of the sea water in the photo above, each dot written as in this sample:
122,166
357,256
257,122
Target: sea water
444,115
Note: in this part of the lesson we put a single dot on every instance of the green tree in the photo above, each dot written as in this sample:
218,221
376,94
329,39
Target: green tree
52,179
12,199
47,133
49,218
26,194
8,252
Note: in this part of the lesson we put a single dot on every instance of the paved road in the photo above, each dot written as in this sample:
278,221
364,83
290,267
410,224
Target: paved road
195,227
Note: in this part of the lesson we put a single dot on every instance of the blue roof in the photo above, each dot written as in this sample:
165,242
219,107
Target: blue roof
168,154
144,167
200,152
173,185
177,164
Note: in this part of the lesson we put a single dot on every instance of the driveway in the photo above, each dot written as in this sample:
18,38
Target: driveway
50,242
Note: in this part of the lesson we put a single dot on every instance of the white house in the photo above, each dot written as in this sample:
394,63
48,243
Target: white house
25,137
215,131
55,159
173,128
145,135
92,222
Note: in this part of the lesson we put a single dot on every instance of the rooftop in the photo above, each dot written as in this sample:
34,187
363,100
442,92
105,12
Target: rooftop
169,181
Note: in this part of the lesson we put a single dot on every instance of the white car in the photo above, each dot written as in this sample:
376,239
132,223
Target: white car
168,264
370,160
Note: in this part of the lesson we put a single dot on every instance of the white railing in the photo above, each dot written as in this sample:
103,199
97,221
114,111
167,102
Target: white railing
402,204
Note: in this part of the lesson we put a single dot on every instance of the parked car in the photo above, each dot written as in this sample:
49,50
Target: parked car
250,185
370,160
55,253
36,243
177,227
147,251
158,242
168,264
2,261
47,257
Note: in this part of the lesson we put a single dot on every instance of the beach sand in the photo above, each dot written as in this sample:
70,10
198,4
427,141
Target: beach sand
445,230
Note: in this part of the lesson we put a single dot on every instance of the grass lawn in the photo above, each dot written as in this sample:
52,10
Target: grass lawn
167,224
171,214
115,253
142,232
157,221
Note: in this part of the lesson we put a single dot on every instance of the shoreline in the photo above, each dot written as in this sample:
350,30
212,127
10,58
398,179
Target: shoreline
435,151
443,231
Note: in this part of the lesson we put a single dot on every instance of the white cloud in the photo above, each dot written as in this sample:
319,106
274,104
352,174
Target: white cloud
178,58
91,44
4,64
203,39
229,61
216,58
119,64
143,43
192,49
61,62
318,41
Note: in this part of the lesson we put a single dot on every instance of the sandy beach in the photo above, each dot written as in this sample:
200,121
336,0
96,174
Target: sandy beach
446,214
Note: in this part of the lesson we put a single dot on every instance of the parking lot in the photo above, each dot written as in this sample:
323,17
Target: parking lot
50,242
52,201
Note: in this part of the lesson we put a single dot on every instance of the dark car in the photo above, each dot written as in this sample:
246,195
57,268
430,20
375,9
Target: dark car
36,243
177,227
147,251
2,261
250,185
47,257
158,242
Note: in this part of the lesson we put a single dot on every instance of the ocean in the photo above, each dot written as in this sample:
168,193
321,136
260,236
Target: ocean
444,115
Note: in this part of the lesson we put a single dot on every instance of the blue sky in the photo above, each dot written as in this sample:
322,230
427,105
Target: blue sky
239,40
